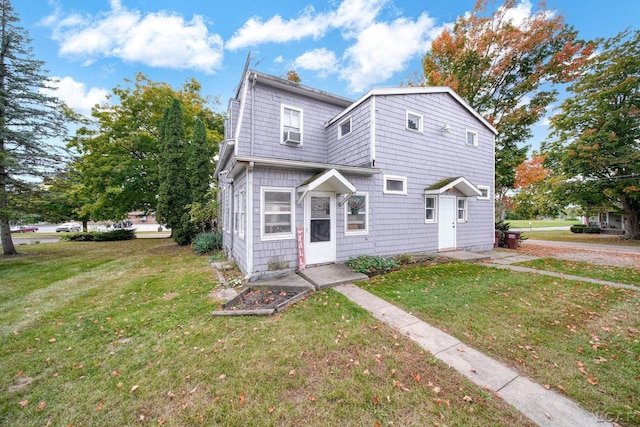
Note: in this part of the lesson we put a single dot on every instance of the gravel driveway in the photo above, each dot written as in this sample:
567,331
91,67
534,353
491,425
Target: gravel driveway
612,255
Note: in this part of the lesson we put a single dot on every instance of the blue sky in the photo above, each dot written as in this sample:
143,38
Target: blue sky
340,46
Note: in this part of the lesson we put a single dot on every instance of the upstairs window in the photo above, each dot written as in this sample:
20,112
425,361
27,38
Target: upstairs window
414,121
291,125
472,138
344,128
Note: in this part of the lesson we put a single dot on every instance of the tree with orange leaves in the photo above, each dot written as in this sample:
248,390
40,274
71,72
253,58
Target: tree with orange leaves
504,64
531,172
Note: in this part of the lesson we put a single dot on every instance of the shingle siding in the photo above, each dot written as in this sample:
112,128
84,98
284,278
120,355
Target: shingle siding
396,222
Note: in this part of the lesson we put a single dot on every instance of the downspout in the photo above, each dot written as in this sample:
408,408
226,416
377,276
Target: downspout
249,221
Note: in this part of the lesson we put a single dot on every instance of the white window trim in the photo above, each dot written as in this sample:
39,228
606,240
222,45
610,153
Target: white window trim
242,203
236,212
290,107
277,236
466,209
340,134
395,178
435,210
475,138
485,187
420,123
347,211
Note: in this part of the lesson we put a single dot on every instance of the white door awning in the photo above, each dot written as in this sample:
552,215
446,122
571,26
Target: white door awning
329,180
460,183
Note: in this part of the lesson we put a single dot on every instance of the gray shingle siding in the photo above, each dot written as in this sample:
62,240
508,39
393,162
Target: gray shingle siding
396,222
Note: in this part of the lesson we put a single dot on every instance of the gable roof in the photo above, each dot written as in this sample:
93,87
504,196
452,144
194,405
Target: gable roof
414,91
460,183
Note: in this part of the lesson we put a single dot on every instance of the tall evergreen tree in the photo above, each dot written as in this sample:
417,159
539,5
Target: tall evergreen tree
29,120
174,192
200,166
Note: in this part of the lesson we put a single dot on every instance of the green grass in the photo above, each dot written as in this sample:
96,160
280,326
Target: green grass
120,333
536,223
576,338
630,276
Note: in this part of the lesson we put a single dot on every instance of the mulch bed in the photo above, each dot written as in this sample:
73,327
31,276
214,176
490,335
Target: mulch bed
261,299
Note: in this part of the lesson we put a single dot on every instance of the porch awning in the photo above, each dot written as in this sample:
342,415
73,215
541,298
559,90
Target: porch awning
329,180
460,183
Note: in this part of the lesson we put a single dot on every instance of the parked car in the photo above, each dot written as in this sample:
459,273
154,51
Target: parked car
24,229
68,227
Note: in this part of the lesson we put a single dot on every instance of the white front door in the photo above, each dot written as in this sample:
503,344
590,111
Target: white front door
320,228
446,223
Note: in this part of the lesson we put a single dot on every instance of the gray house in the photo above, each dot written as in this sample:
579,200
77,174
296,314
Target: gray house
307,177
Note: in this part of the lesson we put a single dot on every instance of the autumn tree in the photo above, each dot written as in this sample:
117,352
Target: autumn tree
120,152
505,69
595,145
30,122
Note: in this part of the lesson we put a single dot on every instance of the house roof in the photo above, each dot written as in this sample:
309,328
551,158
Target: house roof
390,91
460,183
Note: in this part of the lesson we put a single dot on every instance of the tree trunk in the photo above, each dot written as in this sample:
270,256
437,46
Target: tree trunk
7,242
632,219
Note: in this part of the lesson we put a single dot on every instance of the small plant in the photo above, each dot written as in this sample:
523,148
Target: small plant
356,203
405,259
372,264
205,243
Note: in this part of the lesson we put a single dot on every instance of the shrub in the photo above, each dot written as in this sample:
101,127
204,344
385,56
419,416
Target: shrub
100,236
592,230
372,264
578,228
205,243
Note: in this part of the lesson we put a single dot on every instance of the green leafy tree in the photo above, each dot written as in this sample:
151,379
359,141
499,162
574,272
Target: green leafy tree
505,70
30,120
596,145
64,197
174,192
120,152
200,173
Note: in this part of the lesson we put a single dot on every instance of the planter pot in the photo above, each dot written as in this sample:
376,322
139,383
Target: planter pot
355,211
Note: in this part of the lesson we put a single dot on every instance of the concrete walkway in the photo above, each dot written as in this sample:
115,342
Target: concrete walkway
504,260
544,407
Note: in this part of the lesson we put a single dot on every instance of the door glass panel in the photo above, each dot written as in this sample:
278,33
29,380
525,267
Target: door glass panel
320,221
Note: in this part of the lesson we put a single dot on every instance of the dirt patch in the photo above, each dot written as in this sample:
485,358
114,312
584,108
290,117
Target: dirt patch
261,299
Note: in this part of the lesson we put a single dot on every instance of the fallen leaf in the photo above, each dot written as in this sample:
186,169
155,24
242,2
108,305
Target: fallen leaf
134,388
312,398
24,403
467,399
241,399
436,390
222,377
377,424
592,380
292,372
115,373
52,340
376,400
99,407
271,409
399,385
417,377
41,406
392,373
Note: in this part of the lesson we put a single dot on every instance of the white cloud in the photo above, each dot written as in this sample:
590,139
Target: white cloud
322,60
76,95
156,39
351,16
385,48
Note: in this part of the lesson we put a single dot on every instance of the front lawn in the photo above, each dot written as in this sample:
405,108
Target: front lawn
120,333
577,338
538,223
568,236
